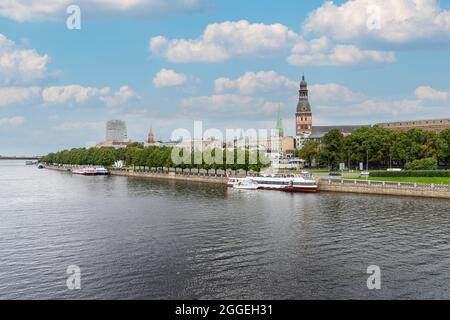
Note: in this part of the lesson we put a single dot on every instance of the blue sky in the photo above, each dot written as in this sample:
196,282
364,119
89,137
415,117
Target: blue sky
228,63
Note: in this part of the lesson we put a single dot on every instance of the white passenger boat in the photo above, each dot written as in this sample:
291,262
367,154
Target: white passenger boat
246,184
287,183
101,171
91,171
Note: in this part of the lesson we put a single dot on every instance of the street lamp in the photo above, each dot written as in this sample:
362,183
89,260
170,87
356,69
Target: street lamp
367,164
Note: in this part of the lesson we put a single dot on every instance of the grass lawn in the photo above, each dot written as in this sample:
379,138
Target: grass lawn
435,180
317,170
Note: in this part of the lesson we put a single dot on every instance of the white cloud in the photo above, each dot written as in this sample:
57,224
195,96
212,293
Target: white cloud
428,93
253,82
38,10
169,78
395,22
77,94
158,45
18,95
120,97
322,52
222,41
333,92
228,104
18,65
12,121
71,93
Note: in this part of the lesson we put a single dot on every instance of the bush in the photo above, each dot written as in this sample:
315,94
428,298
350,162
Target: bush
423,164
411,173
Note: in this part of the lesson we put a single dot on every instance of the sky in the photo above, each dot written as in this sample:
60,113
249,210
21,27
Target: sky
230,64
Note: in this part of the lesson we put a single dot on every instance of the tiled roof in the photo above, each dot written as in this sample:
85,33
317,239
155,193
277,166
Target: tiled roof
320,131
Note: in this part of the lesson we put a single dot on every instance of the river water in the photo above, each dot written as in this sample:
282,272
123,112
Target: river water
147,239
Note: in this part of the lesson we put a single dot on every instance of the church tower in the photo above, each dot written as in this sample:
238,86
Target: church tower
303,115
151,137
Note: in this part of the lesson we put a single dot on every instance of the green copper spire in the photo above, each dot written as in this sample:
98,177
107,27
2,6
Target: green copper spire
280,127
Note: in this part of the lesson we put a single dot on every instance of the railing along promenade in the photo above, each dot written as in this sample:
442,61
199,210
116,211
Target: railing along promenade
386,187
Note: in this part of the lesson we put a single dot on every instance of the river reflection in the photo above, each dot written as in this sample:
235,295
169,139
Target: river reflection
152,239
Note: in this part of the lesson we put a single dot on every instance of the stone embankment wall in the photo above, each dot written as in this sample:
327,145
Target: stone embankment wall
329,185
386,188
194,177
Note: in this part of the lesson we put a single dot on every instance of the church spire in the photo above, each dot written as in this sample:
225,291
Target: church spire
303,96
280,127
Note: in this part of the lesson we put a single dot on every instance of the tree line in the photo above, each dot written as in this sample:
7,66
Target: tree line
136,155
383,148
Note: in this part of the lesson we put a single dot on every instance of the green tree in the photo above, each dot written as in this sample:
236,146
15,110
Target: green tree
332,149
443,146
310,151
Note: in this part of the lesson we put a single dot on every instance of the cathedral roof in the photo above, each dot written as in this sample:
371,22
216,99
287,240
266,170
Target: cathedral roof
320,131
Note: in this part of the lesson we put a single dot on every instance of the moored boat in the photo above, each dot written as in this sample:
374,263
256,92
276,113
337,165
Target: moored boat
286,183
91,171
246,184
101,171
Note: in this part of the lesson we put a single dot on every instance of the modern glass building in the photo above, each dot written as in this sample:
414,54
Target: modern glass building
116,131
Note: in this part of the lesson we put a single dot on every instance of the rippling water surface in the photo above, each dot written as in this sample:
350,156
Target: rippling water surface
141,239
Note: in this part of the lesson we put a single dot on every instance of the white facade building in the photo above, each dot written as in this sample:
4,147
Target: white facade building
116,132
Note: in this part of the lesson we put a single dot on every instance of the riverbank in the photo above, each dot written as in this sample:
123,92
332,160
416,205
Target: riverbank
194,177
327,185
165,175
408,189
